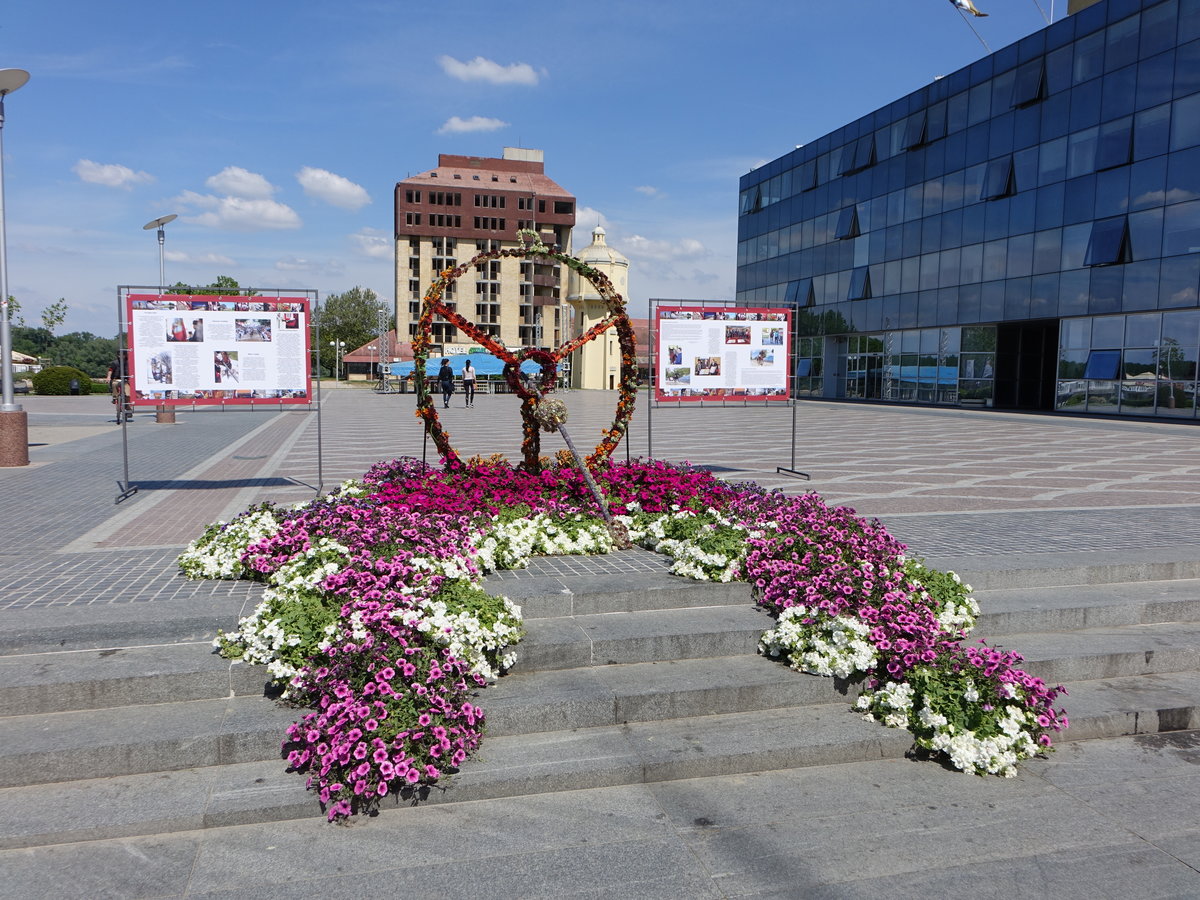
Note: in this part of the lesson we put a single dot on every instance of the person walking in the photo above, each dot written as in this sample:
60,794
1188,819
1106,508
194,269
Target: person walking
468,378
118,386
445,377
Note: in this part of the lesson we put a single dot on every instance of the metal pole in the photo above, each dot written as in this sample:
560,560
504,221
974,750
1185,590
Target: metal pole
127,489
14,423
164,415
5,333
317,364
162,240
650,382
793,397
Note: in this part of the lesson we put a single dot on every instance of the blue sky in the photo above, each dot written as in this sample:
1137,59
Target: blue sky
277,131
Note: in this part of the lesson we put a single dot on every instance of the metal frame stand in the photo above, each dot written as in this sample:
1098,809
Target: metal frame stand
795,401
316,326
783,470
125,488
128,489
651,402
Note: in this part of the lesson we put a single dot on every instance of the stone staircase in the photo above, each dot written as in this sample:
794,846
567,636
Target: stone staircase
622,679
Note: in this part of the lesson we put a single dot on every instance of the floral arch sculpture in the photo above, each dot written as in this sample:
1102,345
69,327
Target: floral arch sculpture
531,390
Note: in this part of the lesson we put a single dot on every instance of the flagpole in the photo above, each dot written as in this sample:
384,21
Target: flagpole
1043,12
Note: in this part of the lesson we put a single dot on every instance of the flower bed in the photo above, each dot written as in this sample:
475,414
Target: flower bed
374,613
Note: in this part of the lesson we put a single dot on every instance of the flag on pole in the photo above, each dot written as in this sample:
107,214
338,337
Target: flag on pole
968,6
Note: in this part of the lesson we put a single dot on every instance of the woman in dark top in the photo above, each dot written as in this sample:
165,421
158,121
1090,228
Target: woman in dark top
445,377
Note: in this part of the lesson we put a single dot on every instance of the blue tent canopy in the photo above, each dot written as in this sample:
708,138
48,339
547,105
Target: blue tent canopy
484,363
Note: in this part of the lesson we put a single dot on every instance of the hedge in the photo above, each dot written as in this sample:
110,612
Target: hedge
57,380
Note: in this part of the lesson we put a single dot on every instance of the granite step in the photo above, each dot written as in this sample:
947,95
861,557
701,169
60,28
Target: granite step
104,626
569,642
1137,704
44,682
549,761
505,766
1004,571
546,596
1088,654
1016,611
639,679
179,735
560,700
122,676
129,740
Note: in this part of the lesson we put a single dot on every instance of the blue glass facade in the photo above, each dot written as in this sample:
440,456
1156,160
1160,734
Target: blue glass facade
1023,233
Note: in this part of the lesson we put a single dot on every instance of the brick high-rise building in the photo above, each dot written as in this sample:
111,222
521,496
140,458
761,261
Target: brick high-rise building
470,204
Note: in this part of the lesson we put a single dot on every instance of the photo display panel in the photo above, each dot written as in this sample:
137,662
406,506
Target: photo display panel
725,353
218,349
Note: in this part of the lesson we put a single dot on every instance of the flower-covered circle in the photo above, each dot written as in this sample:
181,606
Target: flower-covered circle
531,393
532,387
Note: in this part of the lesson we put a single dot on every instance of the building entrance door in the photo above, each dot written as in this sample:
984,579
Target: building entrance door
1026,360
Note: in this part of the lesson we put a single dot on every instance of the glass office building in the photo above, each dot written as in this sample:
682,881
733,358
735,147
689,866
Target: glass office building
1022,234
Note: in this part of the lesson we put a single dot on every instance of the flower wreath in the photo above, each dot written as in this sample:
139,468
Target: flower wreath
530,390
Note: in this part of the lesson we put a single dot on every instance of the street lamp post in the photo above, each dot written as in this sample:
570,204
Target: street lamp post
14,422
164,415
162,240
338,348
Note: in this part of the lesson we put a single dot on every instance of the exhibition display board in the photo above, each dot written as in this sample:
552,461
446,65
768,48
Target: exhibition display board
722,353
218,349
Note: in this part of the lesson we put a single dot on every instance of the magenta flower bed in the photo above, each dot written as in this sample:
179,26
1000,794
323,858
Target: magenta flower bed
393,711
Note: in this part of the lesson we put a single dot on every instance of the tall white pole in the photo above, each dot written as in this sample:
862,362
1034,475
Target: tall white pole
14,423
10,80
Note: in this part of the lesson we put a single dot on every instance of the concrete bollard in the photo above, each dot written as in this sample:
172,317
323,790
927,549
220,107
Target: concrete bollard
14,438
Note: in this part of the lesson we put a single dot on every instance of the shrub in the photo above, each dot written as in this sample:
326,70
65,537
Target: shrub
57,380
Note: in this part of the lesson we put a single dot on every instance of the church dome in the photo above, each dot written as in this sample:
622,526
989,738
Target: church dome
598,251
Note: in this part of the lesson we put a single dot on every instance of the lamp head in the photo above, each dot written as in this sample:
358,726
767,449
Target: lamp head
160,222
11,80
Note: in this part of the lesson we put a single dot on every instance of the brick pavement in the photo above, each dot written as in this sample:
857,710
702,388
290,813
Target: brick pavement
950,483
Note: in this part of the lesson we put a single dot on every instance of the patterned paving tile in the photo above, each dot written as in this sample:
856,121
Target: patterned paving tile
935,477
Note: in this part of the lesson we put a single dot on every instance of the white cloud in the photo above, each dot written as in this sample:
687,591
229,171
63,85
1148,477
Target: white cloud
587,218
110,174
684,248
239,213
480,69
333,189
294,264
205,259
374,243
1156,198
310,266
235,181
455,125
649,190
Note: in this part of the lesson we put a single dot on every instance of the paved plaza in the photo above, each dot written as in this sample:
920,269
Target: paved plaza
956,486
992,495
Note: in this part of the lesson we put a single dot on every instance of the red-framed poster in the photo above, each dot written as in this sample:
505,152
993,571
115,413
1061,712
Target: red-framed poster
218,349
722,353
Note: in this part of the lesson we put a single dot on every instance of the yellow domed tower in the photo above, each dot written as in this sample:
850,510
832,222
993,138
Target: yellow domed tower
597,365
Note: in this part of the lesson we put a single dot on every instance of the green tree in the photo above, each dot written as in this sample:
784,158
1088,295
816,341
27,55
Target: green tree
223,285
85,351
14,312
352,317
34,341
54,314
